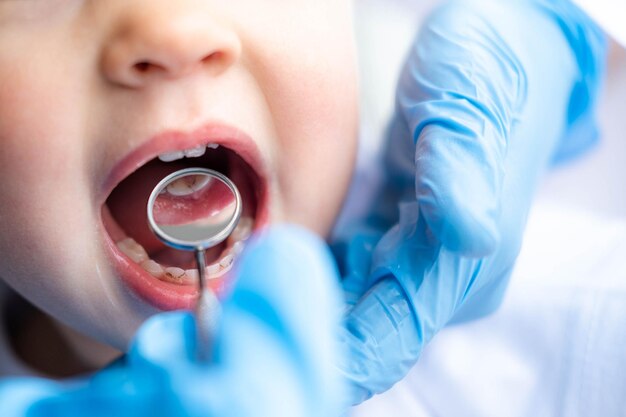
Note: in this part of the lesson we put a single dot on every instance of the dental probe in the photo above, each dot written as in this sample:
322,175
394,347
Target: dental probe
195,209
208,311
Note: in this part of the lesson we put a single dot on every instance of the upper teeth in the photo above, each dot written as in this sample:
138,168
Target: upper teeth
195,152
189,153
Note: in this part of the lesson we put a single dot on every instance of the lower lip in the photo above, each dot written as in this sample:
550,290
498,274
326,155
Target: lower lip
160,294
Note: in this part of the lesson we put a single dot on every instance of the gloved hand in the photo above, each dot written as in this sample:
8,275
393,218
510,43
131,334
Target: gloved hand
491,93
274,355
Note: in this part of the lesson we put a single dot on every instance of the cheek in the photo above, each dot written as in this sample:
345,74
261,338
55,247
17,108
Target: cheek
316,117
41,149
39,118
49,236
43,197
47,229
318,146
44,104
43,111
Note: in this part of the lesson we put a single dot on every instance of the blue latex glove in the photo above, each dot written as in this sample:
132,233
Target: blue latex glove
491,93
275,354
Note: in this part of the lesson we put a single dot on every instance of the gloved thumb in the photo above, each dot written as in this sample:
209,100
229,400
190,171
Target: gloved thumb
276,347
279,327
457,99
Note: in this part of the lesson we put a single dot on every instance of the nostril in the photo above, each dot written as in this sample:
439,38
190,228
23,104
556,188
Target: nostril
142,66
177,62
217,62
213,57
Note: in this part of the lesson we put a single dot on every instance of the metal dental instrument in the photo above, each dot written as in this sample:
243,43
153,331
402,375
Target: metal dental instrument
195,209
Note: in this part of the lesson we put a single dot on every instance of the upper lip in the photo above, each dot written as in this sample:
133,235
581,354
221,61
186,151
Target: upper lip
176,140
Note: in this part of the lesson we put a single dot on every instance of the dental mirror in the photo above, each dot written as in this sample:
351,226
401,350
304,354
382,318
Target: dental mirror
194,209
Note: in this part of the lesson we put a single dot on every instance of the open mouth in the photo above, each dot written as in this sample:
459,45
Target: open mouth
165,277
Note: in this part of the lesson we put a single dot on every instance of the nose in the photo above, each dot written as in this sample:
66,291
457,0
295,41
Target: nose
149,45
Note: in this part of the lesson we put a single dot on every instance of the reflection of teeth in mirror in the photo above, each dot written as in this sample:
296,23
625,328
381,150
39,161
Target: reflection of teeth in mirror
133,250
179,188
153,268
188,185
200,181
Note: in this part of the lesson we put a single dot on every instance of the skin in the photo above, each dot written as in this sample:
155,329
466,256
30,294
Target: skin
71,106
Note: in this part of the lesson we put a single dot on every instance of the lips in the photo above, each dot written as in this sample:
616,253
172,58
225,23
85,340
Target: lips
163,277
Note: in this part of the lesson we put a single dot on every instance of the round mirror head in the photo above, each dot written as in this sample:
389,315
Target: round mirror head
194,208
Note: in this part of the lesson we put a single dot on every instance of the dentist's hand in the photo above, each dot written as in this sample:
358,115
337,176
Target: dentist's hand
491,93
275,353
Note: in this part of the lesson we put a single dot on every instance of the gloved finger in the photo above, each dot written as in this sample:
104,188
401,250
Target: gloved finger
355,258
418,287
459,95
275,351
18,397
279,328
165,338
380,334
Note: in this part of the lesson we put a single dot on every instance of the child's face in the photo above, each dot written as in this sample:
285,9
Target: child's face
91,92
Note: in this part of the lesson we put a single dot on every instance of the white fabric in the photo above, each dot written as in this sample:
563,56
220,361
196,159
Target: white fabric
610,14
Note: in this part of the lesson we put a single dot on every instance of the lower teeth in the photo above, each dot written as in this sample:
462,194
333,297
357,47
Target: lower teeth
174,274
180,276
153,268
133,250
